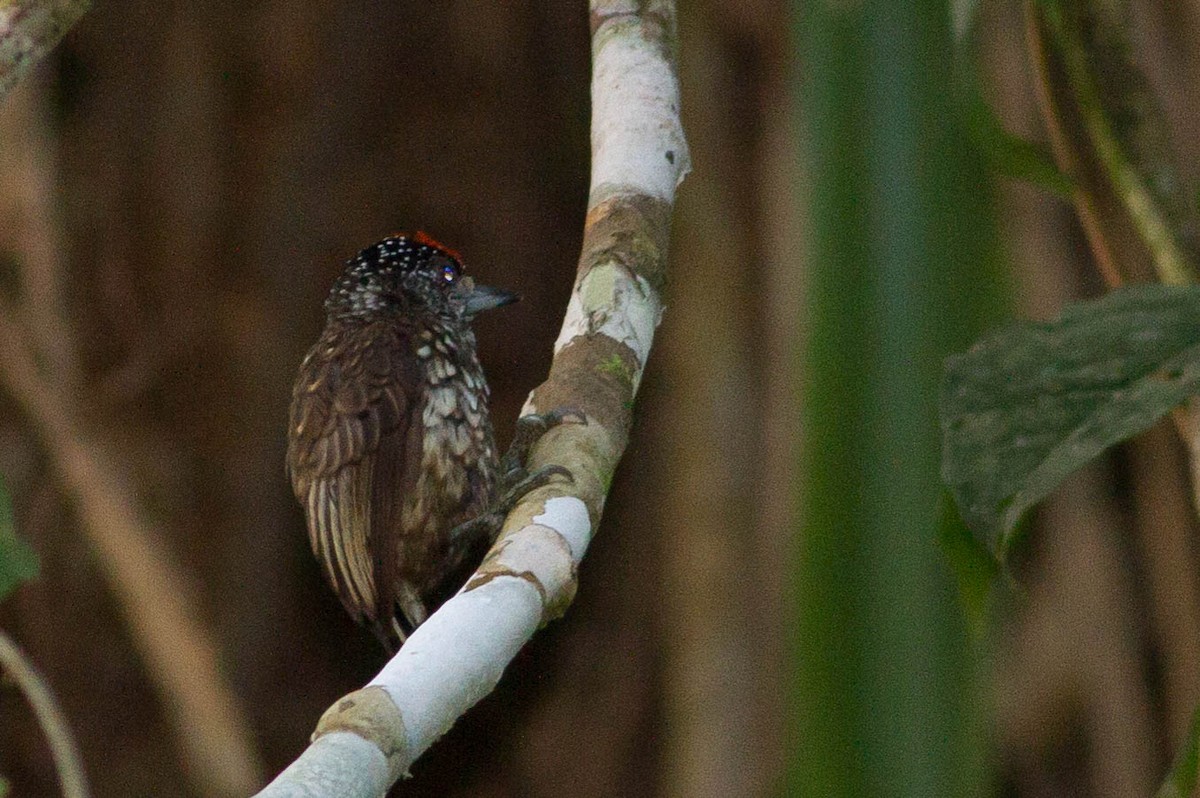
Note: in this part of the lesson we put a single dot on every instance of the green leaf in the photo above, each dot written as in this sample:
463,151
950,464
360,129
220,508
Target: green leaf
1006,153
974,569
17,560
1034,402
1181,781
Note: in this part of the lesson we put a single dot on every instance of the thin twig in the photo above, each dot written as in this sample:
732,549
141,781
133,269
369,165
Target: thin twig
1149,218
154,595
67,761
1069,160
371,737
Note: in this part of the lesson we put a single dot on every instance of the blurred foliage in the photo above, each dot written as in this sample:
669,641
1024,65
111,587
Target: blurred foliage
904,270
1006,153
17,560
1033,403
1029,405
1113,134
1121,115
975,570
1181,781
17,563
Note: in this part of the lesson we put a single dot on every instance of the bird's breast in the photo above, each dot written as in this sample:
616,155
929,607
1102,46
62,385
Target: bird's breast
458,451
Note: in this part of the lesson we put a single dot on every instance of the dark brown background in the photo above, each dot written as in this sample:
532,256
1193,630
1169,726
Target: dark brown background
211,166
204,169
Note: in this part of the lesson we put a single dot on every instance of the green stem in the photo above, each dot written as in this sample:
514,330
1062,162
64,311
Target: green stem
1169,257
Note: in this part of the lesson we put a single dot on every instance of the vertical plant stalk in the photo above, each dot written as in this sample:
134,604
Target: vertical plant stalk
67,761
1149,218
1072,98
28,30
1069,159
369,739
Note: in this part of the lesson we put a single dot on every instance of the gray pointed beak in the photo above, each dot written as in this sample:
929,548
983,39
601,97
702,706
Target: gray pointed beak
484,297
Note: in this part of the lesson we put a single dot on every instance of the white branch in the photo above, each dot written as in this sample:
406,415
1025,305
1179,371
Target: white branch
28,30
370,738
637,140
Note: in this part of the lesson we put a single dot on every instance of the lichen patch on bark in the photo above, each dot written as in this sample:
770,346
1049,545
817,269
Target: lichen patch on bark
583,376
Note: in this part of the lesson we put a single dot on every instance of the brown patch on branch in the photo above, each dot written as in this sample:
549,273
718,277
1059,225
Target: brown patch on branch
593,373
631,229
654,22
372,715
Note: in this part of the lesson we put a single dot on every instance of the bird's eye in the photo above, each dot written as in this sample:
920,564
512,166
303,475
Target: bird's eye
449,273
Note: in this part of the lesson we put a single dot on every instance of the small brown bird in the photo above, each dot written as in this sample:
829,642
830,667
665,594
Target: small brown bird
390,446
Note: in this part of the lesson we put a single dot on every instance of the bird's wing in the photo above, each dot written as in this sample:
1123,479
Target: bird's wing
351,414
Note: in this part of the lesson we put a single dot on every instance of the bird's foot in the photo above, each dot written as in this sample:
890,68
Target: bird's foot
530,430
516,481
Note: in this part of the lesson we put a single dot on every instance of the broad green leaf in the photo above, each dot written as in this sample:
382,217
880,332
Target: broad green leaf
1181,781
1034,402
17,560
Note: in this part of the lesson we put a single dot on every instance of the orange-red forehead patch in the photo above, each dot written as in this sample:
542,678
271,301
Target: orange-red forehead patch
421,237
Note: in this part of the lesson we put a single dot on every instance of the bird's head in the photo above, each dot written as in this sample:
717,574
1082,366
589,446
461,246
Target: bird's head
410,274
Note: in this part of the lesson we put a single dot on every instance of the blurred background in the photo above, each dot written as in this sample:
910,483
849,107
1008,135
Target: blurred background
765,610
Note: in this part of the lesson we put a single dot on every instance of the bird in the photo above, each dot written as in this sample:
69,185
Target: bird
391,451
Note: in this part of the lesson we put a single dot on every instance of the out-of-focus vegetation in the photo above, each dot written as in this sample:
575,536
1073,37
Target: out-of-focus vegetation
904,269
779,599
1027,406
17,561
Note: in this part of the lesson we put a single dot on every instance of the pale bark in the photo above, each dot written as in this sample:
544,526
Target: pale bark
28,30
456,657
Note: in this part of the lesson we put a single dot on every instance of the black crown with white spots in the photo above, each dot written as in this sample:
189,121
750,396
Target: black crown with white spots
400,272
